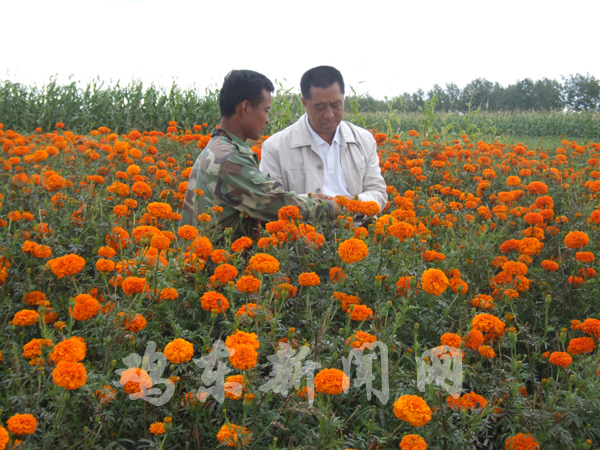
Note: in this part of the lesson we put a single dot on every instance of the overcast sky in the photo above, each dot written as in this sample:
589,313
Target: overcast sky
383,48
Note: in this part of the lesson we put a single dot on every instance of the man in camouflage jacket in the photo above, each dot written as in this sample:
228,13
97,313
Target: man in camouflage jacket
226,171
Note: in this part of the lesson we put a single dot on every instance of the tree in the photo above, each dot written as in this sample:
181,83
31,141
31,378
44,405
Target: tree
581,93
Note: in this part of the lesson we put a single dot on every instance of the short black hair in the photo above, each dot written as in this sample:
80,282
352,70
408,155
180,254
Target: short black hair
240,85
320,77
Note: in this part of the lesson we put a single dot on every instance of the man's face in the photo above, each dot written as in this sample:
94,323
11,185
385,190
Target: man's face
257,119
325,109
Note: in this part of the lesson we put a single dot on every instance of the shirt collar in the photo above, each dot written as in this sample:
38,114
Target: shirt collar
318,140
233,138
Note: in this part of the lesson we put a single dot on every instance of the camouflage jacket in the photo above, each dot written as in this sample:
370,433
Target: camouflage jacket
227,172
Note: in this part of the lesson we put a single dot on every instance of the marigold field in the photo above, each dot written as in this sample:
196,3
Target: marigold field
485,255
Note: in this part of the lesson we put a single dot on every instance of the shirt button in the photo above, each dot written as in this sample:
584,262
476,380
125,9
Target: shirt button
318,190
320,167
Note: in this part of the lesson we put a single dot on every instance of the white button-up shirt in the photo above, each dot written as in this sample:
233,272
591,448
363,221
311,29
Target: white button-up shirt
334,181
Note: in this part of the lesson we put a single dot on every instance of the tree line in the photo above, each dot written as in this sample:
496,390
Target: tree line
575,93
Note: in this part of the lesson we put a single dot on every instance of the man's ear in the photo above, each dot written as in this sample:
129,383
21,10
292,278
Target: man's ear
242,108
303,102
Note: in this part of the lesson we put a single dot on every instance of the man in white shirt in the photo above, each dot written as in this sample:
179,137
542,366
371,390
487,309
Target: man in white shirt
321,153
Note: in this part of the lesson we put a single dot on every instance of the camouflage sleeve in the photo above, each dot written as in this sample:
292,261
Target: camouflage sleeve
244,187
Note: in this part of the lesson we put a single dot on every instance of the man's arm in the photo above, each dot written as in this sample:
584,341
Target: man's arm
247,189
269,163
374,187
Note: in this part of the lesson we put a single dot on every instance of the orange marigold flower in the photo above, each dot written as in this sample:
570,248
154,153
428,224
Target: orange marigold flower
353,250
135,285
309,279
231,435
581,345
537,187
576,239
289,213
521,442
66,265
591,327
336,275
160,210
105,394
118,239
483,301
243,357
549,266
34,348
412,409
157,428
21,424
135,382
531,246
331,381
247,283
515,268
474,339
25,318
451,340
225,273
360,313
466,401
242,338
486,351
263,263
85,308
490,326
168,293
241,244
584,257
141,189
42,251
248,310
213,300
179,351
4,438
560,359
202,247
106,252
413,442
361,340
71,350
35,298
160,242
69,375
187,232
234,386
135,325
141,231
434,281
105,265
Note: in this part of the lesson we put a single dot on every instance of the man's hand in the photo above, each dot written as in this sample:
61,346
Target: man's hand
320,196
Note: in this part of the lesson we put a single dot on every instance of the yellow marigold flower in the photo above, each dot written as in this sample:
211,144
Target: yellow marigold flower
412,409
434,281
353,250
309,279
66,265
263,263
69,375
331,381
413,442
560,359
21,424
179,351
